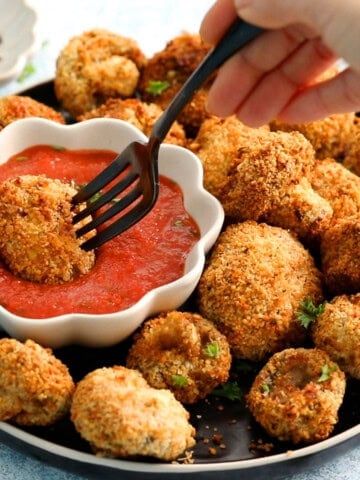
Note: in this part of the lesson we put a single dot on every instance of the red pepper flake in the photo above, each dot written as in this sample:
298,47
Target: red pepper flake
217,439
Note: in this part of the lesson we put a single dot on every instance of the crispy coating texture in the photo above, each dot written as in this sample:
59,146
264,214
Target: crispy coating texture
268,181
252,286
217,144
174,64
15,107
96,65
122,416
36,387
291,401
330,136
140,114
339,186
337,332
352,157
183,352
37,238
340,256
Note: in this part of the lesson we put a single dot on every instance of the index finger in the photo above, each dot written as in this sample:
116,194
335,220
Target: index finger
217,20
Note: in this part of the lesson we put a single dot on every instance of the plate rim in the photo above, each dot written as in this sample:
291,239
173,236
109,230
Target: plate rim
172,468
132,466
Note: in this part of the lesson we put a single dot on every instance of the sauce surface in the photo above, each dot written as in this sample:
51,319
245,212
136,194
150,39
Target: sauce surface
150,254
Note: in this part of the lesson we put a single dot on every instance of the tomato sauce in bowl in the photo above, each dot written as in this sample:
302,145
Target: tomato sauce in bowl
150,254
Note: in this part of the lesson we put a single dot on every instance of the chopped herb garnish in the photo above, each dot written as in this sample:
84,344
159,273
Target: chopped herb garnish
95,197
212,350
178,223
157,87
21,158
28,70
265,388
179,380
229,390
326,372
308,312
59,148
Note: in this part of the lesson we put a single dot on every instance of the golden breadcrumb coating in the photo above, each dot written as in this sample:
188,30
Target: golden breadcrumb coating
337,332
352,156
36,387
330,136
96,65
268,181
297,394
252,286
340,256
183,352
37,238
302,211
15,107
122,416
339,186
217,144
173,65
140,114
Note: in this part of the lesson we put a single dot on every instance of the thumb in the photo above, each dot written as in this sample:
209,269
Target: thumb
336,22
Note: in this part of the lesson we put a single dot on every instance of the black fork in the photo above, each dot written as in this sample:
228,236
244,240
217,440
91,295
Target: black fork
139,161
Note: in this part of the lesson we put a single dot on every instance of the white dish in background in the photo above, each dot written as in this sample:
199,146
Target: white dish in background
176,163
17,37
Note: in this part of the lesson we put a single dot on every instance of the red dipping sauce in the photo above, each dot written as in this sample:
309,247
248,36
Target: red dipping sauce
151,253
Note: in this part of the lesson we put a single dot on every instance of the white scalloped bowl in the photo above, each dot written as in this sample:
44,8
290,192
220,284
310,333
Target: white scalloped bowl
17,37
176,163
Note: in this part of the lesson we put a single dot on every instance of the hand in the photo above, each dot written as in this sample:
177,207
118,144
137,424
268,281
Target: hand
274,76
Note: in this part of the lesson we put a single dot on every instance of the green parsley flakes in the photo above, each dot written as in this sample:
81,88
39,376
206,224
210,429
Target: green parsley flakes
157,87
308,312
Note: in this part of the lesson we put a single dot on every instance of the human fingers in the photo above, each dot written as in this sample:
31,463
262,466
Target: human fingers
276,88
241,74
336,21
338,95
217,20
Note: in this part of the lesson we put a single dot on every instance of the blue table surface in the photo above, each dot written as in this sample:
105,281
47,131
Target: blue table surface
151,23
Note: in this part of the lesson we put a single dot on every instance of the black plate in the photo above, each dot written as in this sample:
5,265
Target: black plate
244,446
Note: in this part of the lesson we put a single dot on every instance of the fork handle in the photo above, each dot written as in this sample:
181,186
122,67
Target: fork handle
238,35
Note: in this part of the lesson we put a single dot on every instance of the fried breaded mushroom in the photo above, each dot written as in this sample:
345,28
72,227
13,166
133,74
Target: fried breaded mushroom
36,387
337,331
297,394
352,156
94,66
37,238
183,352
251,288
217,144
15,107
140,114
330,136
167,70
339,186
122,416
340,256
268,181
